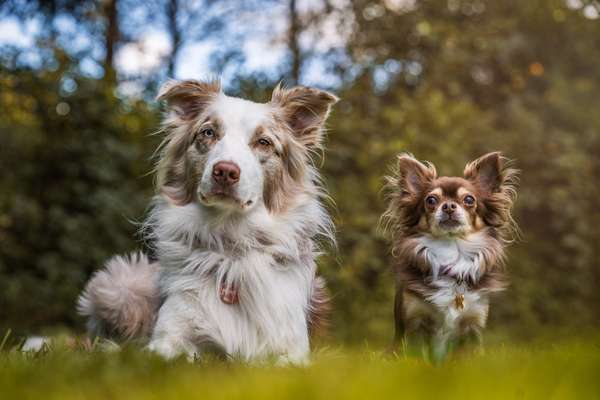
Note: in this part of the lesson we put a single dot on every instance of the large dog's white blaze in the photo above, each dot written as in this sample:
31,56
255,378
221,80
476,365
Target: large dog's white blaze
240,118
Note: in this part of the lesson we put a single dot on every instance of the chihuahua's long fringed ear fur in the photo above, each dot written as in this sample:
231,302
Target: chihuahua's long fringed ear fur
493,175
413,176
406,187
304,110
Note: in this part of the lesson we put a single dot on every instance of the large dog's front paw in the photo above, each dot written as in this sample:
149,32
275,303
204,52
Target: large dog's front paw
293,359
164,349
171,349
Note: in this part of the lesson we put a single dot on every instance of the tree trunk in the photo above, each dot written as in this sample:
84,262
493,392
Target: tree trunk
174,33
294,46
111,38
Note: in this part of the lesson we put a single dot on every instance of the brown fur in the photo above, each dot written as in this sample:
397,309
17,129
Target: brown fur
285,168
492,183
304,110
186,100
497,184
411,180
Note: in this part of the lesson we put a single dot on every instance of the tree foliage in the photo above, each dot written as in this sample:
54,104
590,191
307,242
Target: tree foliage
68,147
447,81
449,84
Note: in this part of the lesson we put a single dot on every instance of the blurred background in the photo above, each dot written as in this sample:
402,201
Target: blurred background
445,80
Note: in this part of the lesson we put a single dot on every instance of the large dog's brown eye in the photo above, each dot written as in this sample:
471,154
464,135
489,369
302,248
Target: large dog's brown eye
431,201
264,142
469,200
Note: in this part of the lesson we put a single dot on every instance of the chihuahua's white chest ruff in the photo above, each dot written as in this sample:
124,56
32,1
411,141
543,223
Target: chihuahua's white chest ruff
455,264
455,257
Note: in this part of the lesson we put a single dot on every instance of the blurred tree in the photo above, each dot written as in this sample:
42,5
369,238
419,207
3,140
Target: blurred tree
293,42
99,19
71,149
448,82
196,21
110,11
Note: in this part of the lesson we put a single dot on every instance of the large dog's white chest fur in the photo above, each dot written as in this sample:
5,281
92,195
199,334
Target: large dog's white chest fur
270,262
269,318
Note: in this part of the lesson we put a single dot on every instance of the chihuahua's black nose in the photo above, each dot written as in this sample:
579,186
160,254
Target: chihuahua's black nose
449,207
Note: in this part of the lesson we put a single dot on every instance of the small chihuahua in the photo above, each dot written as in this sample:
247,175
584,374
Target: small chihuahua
449,235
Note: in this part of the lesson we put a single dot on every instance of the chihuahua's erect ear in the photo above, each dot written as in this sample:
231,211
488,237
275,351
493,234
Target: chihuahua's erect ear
188,98
406,187
413,176
486,172
304,110
497,182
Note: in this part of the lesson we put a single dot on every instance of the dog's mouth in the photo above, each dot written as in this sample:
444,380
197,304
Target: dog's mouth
221,197
450,223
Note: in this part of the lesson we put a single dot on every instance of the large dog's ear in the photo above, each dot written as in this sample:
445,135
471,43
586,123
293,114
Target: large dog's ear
304,110
187,99
413,176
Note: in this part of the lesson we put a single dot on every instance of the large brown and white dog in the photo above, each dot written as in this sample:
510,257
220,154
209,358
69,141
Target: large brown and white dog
234,228
449,237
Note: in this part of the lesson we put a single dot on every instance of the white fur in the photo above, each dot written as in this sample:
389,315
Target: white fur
461,257
452,260
275,281
268,257
36,344
240,118
205,246
123,295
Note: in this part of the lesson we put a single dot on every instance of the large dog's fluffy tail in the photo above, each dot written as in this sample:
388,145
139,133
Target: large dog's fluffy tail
122,299
319,309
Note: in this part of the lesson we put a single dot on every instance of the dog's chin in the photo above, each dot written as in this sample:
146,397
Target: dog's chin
225,201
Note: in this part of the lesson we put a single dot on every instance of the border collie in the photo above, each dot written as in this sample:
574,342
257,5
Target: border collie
236,226
449,235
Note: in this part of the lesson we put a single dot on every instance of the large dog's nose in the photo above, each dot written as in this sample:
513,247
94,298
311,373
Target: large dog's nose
226,173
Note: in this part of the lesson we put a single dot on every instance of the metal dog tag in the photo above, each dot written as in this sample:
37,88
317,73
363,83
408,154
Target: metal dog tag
459,301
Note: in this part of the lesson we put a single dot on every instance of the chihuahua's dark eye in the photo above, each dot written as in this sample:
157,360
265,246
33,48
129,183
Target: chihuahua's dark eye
264,142
431,200
469,200
208,132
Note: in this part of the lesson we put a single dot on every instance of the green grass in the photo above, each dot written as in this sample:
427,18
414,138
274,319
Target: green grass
542,371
